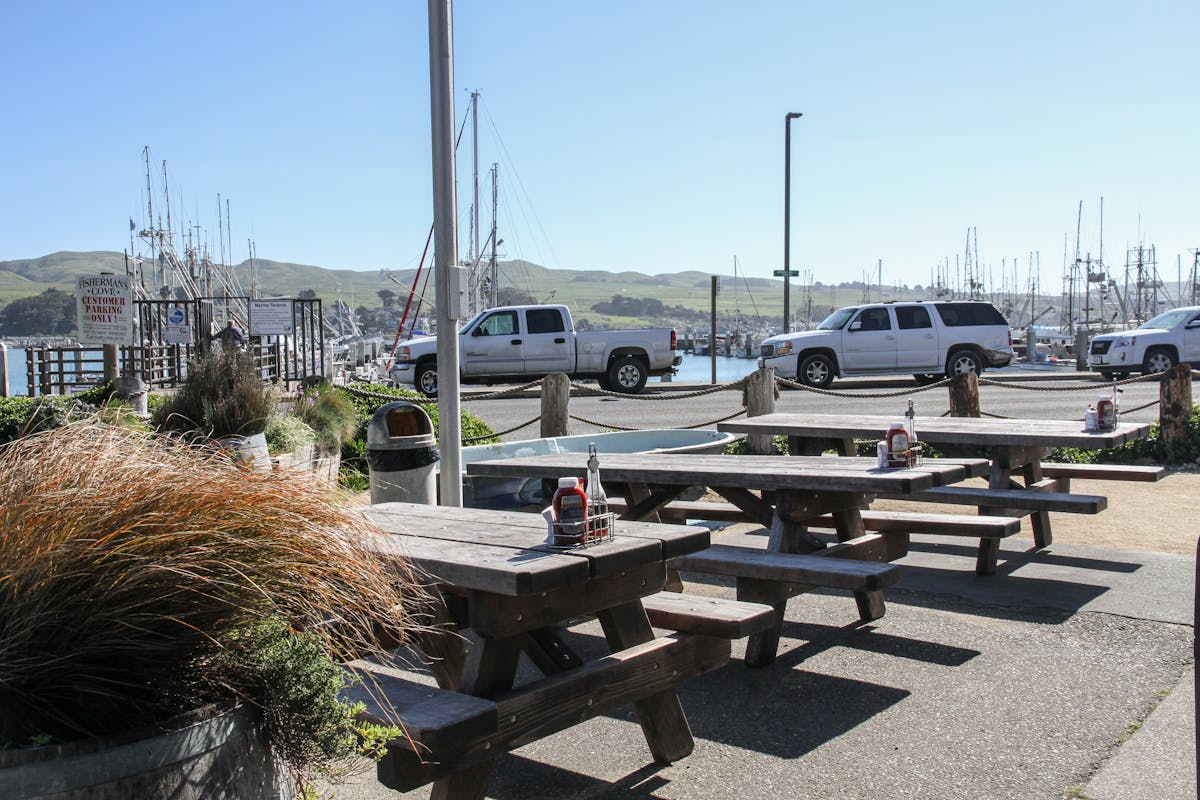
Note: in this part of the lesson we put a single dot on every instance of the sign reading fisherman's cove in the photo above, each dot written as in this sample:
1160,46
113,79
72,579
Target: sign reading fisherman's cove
105,307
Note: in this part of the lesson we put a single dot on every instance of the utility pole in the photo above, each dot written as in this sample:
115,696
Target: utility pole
787,218
441,101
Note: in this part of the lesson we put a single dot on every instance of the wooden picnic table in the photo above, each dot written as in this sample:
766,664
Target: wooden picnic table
507,590
1016,448
791,492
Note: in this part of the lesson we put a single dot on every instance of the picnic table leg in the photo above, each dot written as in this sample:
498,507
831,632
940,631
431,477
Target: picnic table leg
661,716
634,494
1040,521
491,668
786,535
762,648
849,525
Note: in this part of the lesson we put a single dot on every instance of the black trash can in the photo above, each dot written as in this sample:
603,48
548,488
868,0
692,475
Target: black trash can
402,455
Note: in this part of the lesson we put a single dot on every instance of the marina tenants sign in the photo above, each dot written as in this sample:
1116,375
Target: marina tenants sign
105,309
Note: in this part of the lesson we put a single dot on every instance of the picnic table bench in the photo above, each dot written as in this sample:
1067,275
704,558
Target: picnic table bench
502,586
781,493
1018,483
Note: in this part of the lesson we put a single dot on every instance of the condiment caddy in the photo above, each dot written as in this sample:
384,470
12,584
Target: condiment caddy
579,516
899,447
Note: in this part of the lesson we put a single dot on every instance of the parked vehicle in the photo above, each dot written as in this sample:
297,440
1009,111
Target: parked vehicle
1159,343
927,338
525,342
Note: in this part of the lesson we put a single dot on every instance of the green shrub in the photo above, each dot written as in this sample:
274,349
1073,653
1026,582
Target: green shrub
287,434
223,395
331,413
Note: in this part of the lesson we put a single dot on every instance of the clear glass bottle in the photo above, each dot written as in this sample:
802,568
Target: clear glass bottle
596,497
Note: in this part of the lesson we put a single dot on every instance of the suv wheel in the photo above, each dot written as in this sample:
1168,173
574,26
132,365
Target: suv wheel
816,371
961,362
1158,359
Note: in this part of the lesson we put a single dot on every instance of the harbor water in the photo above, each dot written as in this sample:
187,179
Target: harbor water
16,371
698,369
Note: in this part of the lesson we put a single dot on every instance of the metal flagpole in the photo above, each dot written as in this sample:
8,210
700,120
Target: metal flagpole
445,250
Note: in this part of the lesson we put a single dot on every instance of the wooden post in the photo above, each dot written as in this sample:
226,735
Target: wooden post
964,395
1174,403
556,393
3,370
760,399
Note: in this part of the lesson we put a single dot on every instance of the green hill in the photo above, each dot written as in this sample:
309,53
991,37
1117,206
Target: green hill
758,302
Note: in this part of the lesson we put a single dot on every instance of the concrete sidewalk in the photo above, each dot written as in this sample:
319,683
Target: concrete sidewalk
1067,675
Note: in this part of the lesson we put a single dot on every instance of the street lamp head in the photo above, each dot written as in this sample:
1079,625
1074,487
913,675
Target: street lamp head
794,115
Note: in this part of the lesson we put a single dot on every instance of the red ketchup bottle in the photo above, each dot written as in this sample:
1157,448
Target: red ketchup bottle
570,512
897,445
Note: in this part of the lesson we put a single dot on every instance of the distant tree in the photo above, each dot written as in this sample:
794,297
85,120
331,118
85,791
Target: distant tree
51,313
307,294
387,297
509,296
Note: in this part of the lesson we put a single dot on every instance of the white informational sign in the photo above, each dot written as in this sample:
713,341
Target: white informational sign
177,334
105,309
271,318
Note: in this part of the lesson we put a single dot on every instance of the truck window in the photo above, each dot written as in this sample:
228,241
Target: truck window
875,319
910,317
502,323
957,315
544,320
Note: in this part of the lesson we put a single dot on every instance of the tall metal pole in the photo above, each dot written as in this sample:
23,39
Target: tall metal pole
445,252
787,219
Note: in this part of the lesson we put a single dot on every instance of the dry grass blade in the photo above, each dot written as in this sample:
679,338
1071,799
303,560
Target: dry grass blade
127,563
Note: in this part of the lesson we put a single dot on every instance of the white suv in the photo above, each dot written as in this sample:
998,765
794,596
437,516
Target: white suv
1154,346
928,339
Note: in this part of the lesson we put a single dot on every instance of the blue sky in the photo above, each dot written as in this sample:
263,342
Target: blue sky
630,135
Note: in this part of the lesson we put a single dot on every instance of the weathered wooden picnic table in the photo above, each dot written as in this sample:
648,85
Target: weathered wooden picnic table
791,492
502,587
1016,448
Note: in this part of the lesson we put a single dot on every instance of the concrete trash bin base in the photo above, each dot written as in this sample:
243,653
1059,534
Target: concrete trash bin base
402,455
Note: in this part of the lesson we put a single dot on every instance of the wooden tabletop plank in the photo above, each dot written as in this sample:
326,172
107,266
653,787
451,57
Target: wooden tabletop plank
675,540
947,430
487,568
800,473
523,532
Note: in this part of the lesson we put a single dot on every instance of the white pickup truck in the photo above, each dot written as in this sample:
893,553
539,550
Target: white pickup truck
526,342
1173,337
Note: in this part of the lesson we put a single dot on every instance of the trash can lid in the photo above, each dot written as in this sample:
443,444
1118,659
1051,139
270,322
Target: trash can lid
399,425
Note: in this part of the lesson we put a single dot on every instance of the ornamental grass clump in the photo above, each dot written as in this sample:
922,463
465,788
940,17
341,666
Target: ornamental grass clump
222,395
141,578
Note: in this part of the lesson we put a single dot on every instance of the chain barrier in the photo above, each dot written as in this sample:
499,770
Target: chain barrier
859,395
471,439
1087,387
595,390
501,393
680,427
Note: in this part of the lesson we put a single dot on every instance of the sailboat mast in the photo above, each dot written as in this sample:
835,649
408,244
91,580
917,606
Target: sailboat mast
493,267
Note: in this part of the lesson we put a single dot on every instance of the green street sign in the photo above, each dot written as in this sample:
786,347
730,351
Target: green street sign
787,273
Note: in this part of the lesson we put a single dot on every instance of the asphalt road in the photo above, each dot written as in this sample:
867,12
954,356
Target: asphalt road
661,410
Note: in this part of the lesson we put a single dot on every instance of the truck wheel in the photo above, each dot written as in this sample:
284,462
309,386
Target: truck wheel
627,374
426,379
1158,359
961,362
816,371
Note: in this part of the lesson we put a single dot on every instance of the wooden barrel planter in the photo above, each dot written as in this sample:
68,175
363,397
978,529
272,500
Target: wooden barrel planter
217,752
